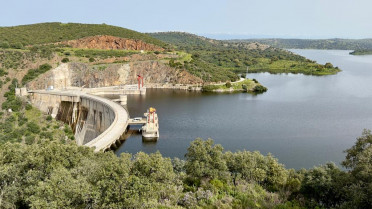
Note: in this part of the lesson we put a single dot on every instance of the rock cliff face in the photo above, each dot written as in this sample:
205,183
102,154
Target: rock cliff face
84,75
111,42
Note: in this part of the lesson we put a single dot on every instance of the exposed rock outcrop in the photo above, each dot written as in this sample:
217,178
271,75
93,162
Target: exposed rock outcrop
84,75
111,42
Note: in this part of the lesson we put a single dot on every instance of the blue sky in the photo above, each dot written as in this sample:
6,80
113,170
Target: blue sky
214,18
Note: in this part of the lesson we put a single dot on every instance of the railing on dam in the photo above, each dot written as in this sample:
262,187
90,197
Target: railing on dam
110,135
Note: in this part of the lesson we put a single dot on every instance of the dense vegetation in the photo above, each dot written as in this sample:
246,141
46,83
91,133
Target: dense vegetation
44,33
345,44
361,52
23,123
246,85
51,174
236,57
34,73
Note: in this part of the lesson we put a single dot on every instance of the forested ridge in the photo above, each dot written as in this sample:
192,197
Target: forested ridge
343,44
237,56
45,33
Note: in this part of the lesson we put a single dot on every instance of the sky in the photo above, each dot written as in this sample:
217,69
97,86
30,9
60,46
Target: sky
212,18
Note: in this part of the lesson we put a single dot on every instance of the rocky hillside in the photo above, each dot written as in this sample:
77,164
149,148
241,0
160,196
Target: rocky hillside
91,76
110,42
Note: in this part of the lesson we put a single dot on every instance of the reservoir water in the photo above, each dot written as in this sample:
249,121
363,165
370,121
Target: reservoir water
302,120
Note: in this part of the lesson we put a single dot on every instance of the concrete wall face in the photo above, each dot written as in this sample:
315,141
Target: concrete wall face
87,117
98,118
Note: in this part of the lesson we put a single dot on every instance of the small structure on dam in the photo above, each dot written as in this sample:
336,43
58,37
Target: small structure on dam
150,131
150,125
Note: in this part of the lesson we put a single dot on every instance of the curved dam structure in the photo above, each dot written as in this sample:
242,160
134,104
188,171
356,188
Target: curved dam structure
97,122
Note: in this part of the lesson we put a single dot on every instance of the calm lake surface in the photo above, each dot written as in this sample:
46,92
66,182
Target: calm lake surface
302,120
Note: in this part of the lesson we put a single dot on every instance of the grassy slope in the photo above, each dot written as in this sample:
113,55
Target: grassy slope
235,86
235,57
43,33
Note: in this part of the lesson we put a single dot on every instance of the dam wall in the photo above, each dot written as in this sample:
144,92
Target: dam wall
96,121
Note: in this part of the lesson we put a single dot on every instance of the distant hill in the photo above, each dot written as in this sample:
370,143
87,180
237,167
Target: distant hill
344,44
191,41
184,40
43,33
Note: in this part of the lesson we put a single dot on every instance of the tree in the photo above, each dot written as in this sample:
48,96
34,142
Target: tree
359,160
205,160
326,185
328,65
228,84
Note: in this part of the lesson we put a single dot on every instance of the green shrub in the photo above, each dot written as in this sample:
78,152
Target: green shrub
4,44
30,139
33,73
91,59
228,84
17,45
208,88
3,72
28,107
22,120
49,118
65,60
244,87
259,89
33,127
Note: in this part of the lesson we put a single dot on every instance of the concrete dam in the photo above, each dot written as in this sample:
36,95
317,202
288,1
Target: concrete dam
96,121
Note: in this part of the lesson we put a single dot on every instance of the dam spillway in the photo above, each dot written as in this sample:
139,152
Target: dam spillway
97,122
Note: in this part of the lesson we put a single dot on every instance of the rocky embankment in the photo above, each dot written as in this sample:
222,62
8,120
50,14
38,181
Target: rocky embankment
110,42
155,73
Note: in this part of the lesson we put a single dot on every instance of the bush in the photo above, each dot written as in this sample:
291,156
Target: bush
208,88
4,45
65,60
3,72
30,139
17,45
228,84
91,59
49,118
33,73
13,103
328,65
259,89
244,87
33,127
28,107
